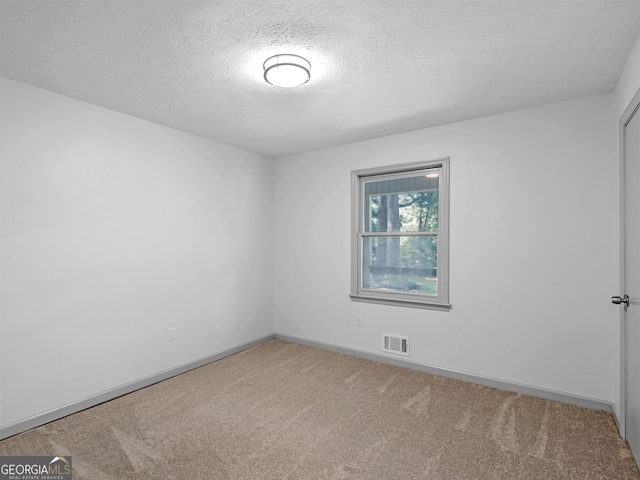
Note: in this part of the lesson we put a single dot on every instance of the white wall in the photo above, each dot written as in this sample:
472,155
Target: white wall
628,85
533,248
111,234
113,230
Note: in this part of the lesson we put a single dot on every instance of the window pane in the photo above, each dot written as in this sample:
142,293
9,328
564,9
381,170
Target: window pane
402,205
400,264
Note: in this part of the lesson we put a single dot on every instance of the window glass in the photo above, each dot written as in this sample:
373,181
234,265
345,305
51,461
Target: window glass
401,264
403,212
400,240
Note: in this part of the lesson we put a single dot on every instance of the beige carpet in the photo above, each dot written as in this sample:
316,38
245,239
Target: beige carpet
285,411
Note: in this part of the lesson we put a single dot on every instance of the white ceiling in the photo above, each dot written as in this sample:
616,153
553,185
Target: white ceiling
378,66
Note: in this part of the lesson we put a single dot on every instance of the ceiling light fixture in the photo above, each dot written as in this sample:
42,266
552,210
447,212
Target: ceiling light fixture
287,70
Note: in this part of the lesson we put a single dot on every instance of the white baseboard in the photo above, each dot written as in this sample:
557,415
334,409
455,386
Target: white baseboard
88,402
563,397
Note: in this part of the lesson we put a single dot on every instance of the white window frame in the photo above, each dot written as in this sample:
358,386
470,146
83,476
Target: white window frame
358,180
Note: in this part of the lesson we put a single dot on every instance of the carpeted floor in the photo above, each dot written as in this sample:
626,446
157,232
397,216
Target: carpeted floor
286,411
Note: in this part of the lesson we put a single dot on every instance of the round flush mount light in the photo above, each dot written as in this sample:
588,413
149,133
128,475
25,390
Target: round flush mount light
287,70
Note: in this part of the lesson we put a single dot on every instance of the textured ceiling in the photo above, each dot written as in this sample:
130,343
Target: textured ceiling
378,66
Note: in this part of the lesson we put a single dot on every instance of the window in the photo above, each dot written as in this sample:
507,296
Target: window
400,239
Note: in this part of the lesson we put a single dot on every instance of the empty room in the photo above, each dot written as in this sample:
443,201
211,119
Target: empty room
320,239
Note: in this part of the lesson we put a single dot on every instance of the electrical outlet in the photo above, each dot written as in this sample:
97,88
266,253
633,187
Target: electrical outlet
172,334
359,321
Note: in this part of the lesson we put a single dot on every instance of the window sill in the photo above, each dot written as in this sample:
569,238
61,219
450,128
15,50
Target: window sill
443,307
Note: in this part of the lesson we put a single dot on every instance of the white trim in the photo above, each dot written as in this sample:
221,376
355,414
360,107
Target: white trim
548,394
88,402
358,293
57,413
406,302
629,112
398,234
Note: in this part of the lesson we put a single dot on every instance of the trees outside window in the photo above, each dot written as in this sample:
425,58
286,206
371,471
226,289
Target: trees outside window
400,234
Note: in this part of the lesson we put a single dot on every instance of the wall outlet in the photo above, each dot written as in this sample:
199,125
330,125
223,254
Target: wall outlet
172,334
359,321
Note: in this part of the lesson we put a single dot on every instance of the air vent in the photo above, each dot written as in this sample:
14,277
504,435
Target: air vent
395,344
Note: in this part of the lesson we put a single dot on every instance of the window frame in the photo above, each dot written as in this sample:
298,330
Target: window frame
358,233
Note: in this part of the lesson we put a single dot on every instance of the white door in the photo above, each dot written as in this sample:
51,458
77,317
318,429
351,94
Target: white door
631,275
